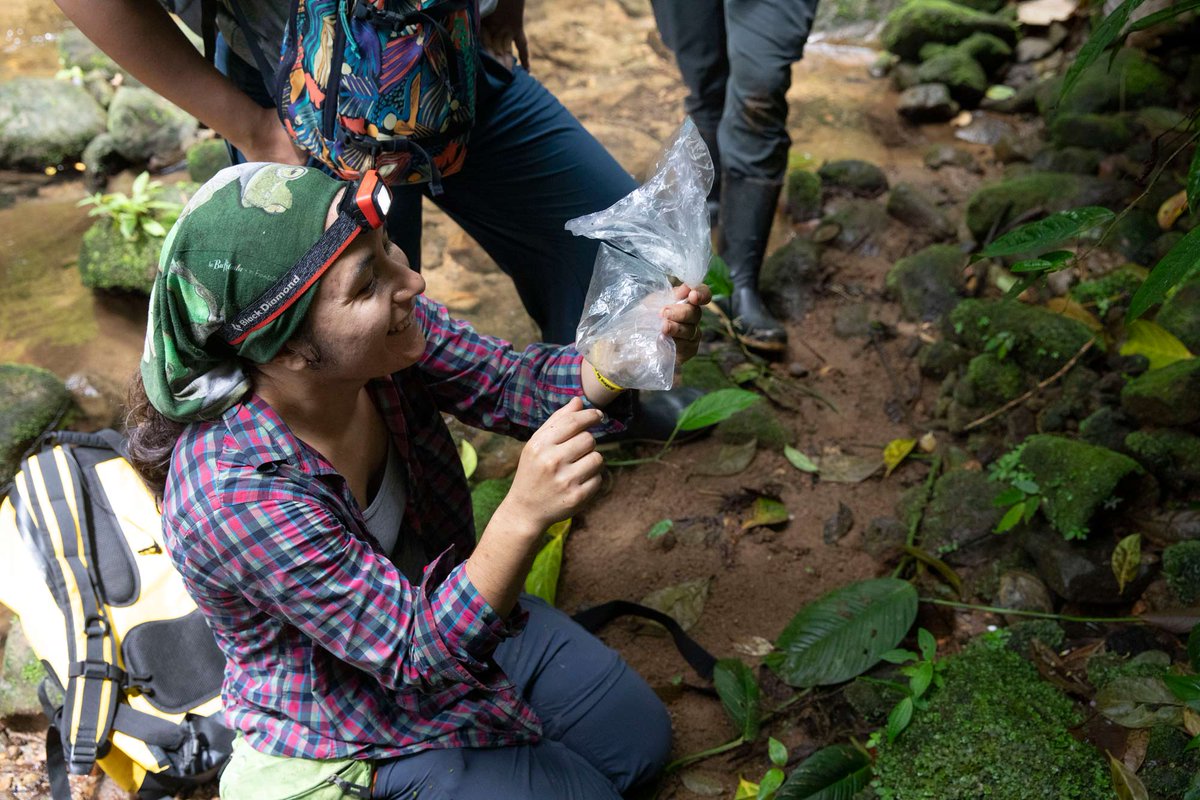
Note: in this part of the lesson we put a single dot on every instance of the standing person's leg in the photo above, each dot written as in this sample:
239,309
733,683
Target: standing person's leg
765,38
605,731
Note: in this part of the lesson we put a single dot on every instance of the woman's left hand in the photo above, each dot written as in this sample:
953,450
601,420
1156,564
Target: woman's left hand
504,29
681,320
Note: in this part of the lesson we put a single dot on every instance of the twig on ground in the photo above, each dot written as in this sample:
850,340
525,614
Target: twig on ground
1011,404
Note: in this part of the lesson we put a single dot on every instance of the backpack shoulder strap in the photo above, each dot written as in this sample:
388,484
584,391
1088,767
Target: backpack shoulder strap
596,617
93,683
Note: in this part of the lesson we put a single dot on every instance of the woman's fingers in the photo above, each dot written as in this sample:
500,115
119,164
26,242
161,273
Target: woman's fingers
569,420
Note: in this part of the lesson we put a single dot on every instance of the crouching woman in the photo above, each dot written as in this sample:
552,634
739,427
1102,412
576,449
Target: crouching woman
289,412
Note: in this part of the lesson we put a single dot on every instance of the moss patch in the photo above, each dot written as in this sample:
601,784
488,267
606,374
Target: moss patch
207,158
928,282
989,382
918,22
107,261
1180,314
1115,288
1172,455
1132,82
995,204
1038,340
960,73
1166,396
30,399
1105,131
802,190
1181,565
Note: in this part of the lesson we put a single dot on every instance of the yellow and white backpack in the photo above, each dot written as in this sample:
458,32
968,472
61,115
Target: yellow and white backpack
82,564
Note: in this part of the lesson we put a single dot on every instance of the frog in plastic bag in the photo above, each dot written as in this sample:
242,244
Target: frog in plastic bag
656,233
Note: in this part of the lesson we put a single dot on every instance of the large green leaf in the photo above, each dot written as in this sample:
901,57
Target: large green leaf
718,277
715,407
738,690
485,499
1048,233
832,773
1157,344
1107,32
1169,13
1176,265
542,580
844,633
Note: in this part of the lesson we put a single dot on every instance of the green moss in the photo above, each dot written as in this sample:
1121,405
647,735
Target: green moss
1180,314
1166,396
932,49
1115,288
704,373
1040,341
961,511
989,50
1076,480
1106,427
1105,131
1132,82
30,400
1081,160
939,359
206,159
1104,668
1181,565
802,190
990,381
1169,770
107,261
996,204
1172,455
928,282
860,177
872,701
994,730
1022,635
918,22
960,73
757,422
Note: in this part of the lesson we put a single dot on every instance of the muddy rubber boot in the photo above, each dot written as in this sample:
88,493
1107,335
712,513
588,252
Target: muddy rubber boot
714,194
747,211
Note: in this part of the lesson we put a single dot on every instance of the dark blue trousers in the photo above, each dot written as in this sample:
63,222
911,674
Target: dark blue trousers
605,730
530,167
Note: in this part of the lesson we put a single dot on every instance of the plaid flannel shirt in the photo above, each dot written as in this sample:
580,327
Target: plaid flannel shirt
330,651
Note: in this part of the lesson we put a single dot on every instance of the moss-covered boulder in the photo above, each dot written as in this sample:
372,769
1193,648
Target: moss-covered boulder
787,278
44,122
959,521
1114,289
76,50
144,125
207,158
1082,160
854,175
1170,769
30,400
996,204
757,422
101,160
937,156
1165,397
994,729
1181,565
1172,455
1037,339
919,22
1107,132
1180,314
802,194
857,226
108,261
1106,427
1132,82
20,674
915,208
1076,480
958,72
928,283
989,382
989,50
938,359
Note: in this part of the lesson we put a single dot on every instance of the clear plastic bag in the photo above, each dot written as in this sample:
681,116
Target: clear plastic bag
657,232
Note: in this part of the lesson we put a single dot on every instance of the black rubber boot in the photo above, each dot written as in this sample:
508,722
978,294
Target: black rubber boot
747,211
656,415
714,194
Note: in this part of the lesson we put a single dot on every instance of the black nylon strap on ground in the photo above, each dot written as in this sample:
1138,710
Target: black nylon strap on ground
592,619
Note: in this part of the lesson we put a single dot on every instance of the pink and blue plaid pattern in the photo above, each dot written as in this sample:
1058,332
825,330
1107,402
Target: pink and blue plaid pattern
330,651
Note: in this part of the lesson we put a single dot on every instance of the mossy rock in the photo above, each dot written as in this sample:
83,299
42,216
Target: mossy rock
207,158
961,515
1181,565
1112,134
144,125
914,208
757,422
76,50
1169,770
959,73
1076,480
927,102
987,6
108,261
1132,82
1180,314
989,382
937,156
990,51
928,282
703,372
941,358
1172,455
20,674
44,122
1106,427
994,729
996,204
1041,340
1165,397
1158,121
918,22
802,194
30,400
1079,160
1113,289
1022,635
859,225
854,175
101,159
787,278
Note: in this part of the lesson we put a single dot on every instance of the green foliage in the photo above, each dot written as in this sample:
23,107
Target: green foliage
1172,270
138,214
1106,34
486,497
766,788
1104,668
832,773
923,671
542,580
718,278
1181,565
1049,233
738,689
1022,498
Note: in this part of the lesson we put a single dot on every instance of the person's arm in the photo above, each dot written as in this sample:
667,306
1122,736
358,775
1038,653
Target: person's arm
141,37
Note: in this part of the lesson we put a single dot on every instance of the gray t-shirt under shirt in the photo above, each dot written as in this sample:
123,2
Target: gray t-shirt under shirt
385,515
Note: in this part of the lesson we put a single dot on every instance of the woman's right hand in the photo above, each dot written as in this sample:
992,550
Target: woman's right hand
559,469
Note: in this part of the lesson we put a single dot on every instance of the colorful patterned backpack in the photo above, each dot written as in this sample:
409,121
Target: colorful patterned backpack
377,84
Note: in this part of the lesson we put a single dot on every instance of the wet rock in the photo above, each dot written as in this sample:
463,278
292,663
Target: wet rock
1080,572
1181,566
851,322
989,51
1113,289
918,22
44,122
837,526
858,225
941,358
1169,769
1106,427
1014,147
97,400
959,73
76,50
989,382
985,129
1076,480
1133,235
1165,526
144,125
1157,121
1109,133
947,155
929,102
1025,100
1165,397
787,278
1023,591
1041,340
20,675
1132,82
928,283
802,195
959,522
30,400
207,158
856,176
904,77
884,536
1180,314
916,209
99,87
996,204
1033,48
108,261
1173,456
1081,160
101,160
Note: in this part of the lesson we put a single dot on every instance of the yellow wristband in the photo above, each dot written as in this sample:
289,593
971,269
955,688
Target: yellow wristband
606,383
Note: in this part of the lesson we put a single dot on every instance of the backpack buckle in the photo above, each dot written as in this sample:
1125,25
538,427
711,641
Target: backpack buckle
96,669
